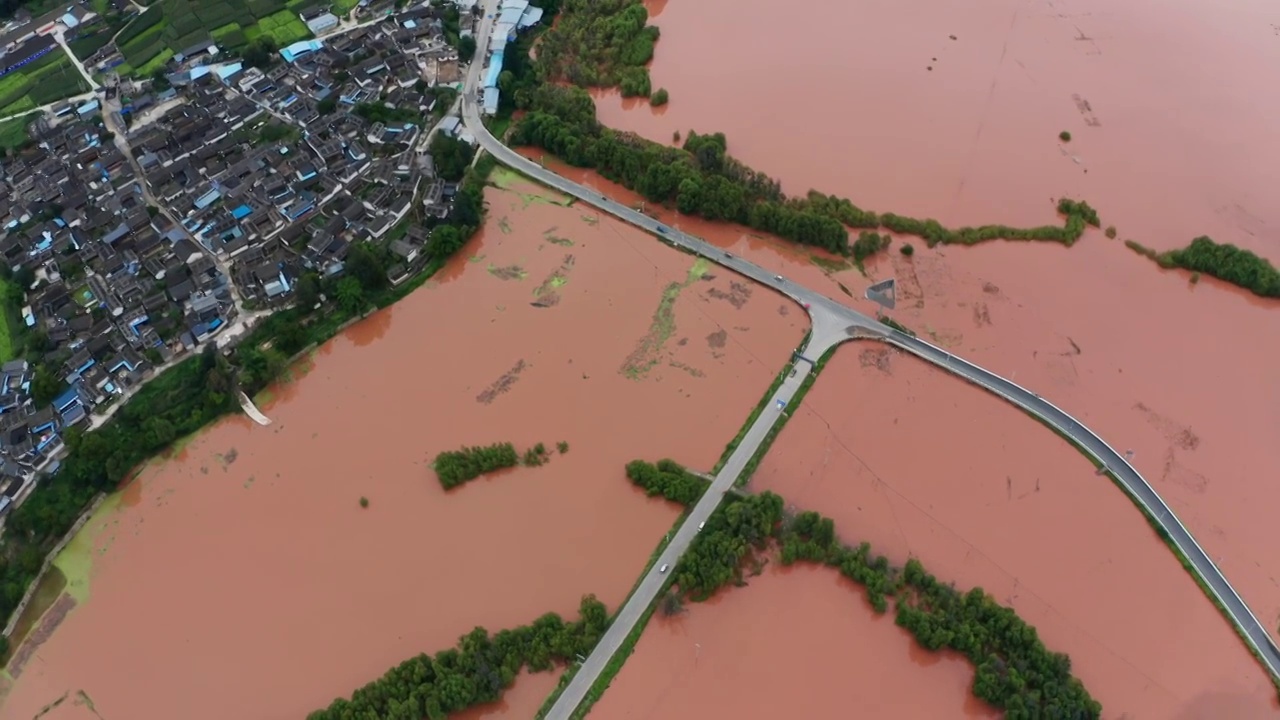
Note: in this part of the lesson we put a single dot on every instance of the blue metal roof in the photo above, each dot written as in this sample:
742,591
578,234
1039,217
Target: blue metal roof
495,67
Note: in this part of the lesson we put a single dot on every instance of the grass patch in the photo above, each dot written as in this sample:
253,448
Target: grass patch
10,329
156,62
47,591
284,27
886,320
662,326
13,133
229,28
498,126
83,48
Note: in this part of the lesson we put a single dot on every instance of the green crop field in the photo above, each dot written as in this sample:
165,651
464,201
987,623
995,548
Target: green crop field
47,80
284,27
13,133
170,26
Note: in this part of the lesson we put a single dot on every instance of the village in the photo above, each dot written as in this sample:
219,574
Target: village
157,217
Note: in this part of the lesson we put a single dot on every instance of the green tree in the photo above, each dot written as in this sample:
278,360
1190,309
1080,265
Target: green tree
308,291
350,295
451,156
446,240
261,53
46,386
659,98
364,263
466,48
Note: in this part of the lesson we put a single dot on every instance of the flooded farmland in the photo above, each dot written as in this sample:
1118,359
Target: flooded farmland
924,465
823,654
953,112
247,561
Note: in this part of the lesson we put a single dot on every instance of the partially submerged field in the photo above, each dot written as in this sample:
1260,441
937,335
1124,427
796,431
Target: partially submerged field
923,465
1175,367
247,561
795,642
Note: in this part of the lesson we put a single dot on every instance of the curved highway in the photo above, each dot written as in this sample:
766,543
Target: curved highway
834,323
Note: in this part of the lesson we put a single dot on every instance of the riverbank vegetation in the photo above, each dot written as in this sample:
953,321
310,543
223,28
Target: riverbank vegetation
600,43
477,671
176,404
700,178
1224,261
188,396
1015,672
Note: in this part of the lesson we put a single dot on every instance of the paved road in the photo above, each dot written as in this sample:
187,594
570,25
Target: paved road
647,592
832,323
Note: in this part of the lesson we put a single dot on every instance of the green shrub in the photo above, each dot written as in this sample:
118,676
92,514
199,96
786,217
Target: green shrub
667,479
659,98
1064,136
1227,262
907,249
476,672
455,467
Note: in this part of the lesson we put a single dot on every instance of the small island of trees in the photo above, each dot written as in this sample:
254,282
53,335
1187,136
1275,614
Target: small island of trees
1224,261
455,467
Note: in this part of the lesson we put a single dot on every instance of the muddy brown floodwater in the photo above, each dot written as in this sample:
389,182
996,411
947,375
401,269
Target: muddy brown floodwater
921,464
246,563
822,654
841,97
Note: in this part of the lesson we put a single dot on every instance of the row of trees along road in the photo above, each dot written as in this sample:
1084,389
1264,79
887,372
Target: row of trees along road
700,178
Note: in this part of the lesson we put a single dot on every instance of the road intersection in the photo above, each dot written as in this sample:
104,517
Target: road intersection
832,324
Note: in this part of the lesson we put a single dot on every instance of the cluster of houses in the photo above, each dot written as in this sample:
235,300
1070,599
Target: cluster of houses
24,28
113,289
249,179
514,16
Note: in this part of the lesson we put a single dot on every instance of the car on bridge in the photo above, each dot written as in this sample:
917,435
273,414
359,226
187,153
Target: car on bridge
662,229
